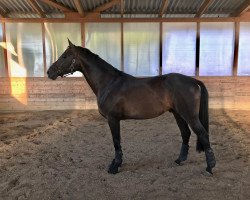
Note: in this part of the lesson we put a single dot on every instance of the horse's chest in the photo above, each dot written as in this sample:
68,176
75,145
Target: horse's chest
106,103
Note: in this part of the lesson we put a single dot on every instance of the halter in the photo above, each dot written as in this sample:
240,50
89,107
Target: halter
71,67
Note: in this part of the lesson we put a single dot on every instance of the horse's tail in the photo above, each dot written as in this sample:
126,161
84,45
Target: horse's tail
203,114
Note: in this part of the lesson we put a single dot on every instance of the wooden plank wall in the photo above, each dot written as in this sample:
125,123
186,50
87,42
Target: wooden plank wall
45,94
228,92
74,93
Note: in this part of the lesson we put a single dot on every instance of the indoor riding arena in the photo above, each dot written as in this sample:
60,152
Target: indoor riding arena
98,99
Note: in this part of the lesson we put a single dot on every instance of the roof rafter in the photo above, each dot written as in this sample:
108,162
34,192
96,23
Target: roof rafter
4,12
163,7
122,8
242,9
57,5
79,7
2,15
36,7
106,6
203,7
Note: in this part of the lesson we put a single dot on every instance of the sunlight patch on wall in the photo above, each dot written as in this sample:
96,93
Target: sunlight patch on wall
18,85
9,47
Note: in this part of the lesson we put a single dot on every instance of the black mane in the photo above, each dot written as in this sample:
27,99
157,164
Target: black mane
94,58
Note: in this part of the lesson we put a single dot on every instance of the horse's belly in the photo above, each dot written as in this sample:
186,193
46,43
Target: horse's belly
144,109
137,102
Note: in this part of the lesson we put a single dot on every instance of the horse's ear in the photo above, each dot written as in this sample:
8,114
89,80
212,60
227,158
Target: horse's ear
70,43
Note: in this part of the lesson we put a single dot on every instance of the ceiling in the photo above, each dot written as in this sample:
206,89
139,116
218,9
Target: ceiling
123,8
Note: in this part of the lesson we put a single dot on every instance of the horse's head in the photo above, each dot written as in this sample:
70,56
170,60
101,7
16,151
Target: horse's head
66,64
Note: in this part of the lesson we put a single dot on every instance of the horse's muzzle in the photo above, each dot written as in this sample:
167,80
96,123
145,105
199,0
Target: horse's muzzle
52,75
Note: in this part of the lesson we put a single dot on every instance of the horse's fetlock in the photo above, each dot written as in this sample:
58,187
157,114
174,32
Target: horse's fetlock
118,153
211,162
118,160
184,152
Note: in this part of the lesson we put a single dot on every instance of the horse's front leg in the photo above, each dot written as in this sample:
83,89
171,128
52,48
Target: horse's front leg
114,125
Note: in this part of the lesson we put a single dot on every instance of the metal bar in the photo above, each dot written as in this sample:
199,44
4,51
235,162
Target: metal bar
122,50
160,49
197,58
236,48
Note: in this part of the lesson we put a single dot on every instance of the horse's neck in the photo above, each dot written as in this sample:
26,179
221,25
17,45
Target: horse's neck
96,75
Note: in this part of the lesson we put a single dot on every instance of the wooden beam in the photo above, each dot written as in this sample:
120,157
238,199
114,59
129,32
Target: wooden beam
44,50
5,51
163,7
83,34
119,20
36,8
57,5
242,9
122,8
106,6
79,7
203,7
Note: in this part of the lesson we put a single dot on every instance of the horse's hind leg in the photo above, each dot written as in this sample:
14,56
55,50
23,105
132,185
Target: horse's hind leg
115,130
185,134
203,138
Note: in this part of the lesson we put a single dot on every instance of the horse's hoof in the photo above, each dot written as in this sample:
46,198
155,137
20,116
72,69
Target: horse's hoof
208,172
199,150
113,170
178,162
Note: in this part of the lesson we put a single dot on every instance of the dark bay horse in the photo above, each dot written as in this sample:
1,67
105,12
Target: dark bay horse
121,96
